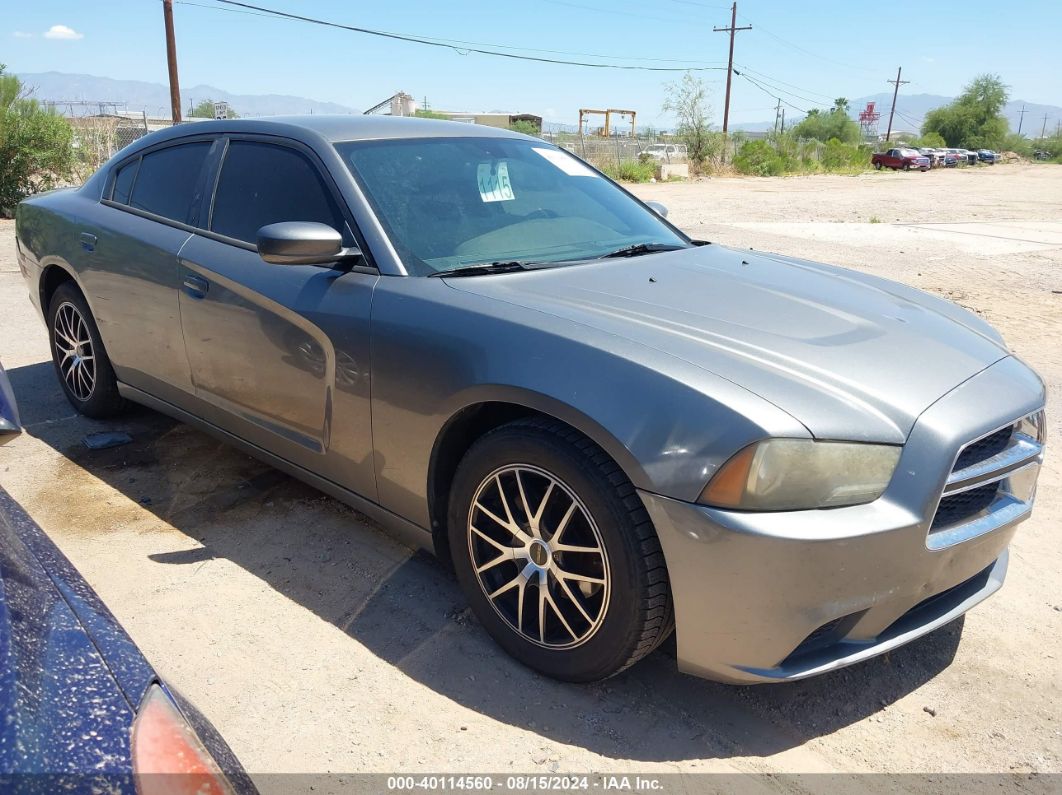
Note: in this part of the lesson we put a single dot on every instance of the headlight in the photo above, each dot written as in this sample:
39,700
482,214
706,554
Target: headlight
798,474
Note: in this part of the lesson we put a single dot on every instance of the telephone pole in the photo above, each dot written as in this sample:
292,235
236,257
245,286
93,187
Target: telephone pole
1021,118
897,83
730,63
171,62
1044,128
777,114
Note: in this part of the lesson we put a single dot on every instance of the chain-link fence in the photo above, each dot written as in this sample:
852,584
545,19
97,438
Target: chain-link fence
98,138
614,150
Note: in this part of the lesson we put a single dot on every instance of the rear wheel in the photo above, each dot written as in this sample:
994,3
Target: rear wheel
556,553
80,360
878,165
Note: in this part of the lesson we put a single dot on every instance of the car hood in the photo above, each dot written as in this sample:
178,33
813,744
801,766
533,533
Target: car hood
55,683
850,356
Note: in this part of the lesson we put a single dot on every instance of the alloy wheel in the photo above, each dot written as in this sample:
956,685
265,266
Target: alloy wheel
538,556
75,356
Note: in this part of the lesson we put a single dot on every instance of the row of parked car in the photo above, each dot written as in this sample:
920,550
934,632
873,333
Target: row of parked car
925,158
957,157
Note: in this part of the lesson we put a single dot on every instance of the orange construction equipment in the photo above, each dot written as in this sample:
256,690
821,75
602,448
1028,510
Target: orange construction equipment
608,113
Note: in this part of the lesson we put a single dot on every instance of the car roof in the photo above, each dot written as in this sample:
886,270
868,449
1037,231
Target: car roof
335,128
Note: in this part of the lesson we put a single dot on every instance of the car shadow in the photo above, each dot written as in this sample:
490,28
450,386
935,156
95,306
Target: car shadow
406,607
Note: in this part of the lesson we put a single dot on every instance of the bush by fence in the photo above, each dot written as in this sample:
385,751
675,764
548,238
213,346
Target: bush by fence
783,154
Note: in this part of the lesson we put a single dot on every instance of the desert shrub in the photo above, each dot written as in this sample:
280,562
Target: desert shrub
761,159
36,145
630,171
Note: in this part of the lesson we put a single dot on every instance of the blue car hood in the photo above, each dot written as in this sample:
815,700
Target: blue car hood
64,707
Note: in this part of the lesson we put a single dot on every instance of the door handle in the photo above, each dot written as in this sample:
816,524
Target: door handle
196,286
88,241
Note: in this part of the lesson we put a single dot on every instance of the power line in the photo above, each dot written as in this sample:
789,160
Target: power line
433,39
768,92
767,77
467,49
769,82
616,11
797,47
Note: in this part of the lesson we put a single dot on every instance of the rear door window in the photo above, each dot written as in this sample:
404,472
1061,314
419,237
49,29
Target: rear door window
264,184
167,180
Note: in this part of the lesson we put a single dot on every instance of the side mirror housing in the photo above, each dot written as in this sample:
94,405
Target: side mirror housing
302,243
657,208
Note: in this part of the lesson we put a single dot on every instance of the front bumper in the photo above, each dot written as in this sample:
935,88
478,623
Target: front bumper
768,597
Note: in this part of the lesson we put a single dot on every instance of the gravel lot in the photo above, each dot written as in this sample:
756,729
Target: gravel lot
314,643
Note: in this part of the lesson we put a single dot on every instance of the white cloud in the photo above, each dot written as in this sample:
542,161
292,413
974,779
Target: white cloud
62,32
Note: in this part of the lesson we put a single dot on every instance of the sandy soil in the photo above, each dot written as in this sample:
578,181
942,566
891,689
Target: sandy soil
314,643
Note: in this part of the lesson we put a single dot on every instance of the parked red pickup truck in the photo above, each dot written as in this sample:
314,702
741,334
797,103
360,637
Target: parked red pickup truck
900,158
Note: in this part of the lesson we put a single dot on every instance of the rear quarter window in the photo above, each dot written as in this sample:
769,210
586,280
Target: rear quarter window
166,182
123,182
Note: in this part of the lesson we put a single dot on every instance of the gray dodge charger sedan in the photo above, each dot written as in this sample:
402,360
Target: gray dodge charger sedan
610,429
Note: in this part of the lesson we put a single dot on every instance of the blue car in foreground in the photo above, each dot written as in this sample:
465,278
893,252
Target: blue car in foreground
81,710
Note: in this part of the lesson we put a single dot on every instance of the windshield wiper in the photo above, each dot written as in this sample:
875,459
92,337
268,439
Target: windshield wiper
486,268
641,248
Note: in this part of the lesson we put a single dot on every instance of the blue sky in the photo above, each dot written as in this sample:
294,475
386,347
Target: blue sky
816,50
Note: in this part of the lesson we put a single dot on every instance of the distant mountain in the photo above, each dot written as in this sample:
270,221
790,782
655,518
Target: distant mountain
912,108
154,98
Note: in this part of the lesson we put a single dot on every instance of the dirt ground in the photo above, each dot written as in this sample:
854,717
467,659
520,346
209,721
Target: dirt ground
314,643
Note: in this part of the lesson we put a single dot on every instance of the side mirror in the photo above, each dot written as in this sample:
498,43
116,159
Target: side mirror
302,243
657,208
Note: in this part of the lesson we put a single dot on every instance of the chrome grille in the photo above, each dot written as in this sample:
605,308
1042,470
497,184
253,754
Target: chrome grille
991,483
986,447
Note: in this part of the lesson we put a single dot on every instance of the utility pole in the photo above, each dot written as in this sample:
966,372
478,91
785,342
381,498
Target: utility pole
777,113
897,83
1043,129
171,61
1021,118
730,63
783,121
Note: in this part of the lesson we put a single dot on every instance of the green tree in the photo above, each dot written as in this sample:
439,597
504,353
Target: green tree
205,110
825,126
526,127
429,114
974,120
687,99
36,145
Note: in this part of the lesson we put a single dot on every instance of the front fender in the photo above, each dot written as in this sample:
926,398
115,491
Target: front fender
436,351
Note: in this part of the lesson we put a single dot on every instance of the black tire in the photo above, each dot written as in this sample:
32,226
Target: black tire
636,612
94,396
878,165
906,166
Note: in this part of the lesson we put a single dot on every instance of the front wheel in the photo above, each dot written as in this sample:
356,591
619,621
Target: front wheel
80,360
556,554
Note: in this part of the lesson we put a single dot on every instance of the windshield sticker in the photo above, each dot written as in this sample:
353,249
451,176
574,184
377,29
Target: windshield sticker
566,163
494,185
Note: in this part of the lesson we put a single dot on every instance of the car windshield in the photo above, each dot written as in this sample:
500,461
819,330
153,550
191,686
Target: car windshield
449,203
908,153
